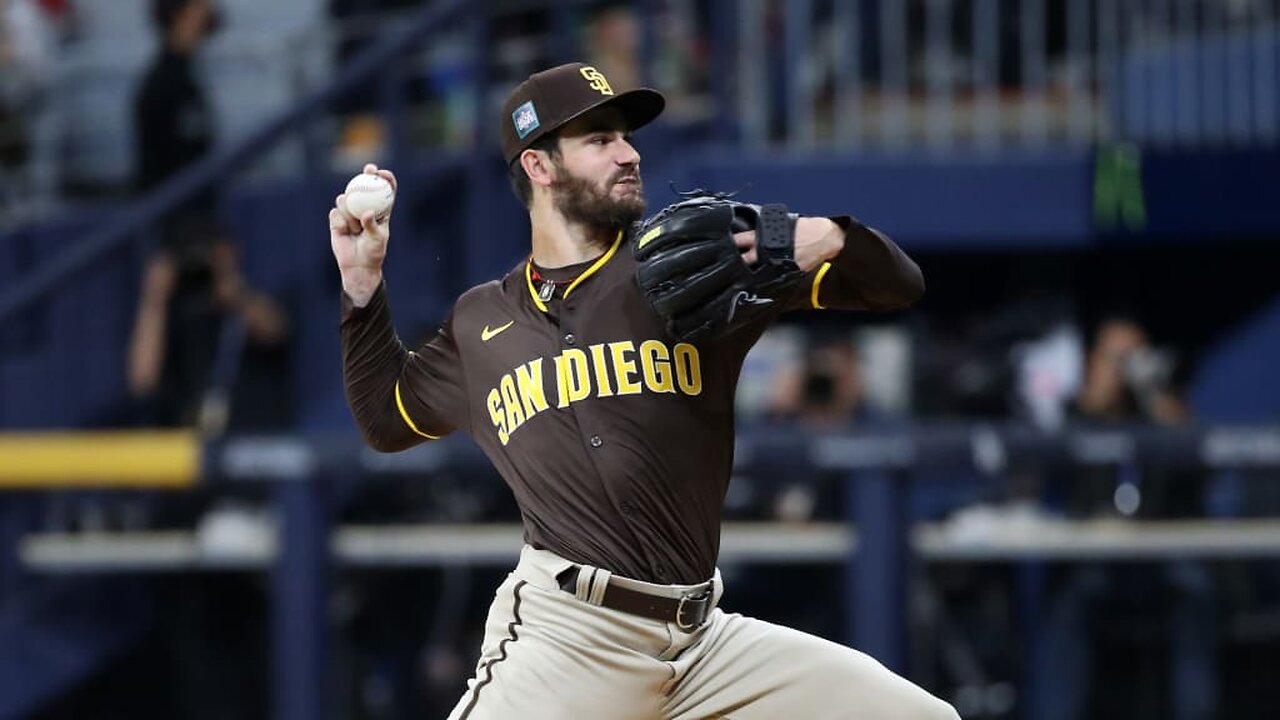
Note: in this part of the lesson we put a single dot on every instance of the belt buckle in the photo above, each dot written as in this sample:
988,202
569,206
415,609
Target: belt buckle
699,610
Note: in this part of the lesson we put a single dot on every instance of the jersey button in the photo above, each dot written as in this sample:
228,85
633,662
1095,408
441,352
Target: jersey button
569,339
627,508
596,441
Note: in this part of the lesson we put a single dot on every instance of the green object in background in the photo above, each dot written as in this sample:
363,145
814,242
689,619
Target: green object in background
1117,189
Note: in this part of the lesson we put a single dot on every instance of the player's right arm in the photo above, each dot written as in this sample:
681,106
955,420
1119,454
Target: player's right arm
359,245
398,398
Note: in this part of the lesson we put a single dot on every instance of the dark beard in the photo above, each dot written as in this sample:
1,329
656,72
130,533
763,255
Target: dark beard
581,201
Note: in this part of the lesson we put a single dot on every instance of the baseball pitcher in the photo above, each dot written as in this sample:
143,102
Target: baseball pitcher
598,376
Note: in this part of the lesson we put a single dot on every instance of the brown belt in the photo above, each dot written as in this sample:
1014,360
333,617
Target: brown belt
687,612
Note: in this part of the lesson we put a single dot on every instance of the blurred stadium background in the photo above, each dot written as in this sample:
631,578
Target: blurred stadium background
1049,491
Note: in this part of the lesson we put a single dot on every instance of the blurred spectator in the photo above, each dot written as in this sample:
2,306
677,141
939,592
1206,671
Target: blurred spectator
825,393
26,58
681,62
613,44
1049,374
1129,381
26,55
173,121
208,350
357,25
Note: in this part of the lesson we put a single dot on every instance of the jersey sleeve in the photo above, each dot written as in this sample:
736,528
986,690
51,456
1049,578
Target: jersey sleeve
399,397
870,273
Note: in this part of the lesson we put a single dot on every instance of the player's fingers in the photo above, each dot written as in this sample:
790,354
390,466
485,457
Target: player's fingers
369,224
353,223
342,224
370,169
338,222
746,244
391,178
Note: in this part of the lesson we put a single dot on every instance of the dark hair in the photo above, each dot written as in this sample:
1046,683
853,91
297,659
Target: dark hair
550,144
163,12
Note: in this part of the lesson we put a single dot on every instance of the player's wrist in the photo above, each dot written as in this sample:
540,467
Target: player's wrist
818,240
360,285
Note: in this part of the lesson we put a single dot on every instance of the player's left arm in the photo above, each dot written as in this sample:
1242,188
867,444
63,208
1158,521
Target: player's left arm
848,266
854,267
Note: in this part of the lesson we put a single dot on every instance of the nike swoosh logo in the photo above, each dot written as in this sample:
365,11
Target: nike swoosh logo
486,334
745,298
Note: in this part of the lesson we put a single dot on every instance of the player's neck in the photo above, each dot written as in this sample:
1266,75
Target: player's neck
558,242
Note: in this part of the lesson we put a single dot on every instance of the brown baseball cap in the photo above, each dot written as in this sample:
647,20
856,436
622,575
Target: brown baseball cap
551,98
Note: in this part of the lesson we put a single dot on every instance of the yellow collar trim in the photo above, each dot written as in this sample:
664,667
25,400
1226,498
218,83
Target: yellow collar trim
599,263
528,278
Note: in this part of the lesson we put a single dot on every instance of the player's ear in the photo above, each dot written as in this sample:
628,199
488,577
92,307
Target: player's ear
537,165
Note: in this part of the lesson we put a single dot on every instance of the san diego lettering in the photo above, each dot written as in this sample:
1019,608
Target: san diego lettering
602,370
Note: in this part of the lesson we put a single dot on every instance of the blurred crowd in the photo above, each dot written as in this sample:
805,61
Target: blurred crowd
57,55
29,36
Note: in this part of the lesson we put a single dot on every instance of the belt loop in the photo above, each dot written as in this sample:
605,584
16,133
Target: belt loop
583,590
601,583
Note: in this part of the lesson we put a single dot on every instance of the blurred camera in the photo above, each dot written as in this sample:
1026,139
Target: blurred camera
1148,369
819,389
193,261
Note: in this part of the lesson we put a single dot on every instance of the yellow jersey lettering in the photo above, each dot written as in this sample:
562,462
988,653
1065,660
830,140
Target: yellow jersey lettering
624,368
498,416
655,365
688,369
572,381
511,403
529,383
618,368
602,371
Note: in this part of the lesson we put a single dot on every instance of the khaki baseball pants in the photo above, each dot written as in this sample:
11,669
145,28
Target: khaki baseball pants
548,655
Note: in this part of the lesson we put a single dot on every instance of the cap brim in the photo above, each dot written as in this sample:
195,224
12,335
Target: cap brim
639,107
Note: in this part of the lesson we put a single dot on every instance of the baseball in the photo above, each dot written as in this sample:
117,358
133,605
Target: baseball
370,192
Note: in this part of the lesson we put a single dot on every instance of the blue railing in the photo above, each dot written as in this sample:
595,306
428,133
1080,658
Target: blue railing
992,75
847,76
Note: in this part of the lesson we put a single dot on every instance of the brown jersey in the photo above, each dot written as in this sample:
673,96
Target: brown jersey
616,440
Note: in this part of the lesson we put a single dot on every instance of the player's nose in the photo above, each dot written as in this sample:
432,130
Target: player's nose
627,153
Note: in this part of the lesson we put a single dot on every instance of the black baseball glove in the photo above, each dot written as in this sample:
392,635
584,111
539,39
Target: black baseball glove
695,277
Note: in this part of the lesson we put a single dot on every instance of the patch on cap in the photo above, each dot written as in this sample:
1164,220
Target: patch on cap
525,119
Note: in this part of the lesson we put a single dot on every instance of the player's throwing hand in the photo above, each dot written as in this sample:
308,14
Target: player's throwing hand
360,244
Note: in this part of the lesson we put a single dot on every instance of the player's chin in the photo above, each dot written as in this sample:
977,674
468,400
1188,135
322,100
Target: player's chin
631,205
